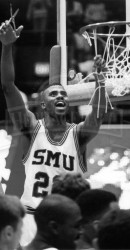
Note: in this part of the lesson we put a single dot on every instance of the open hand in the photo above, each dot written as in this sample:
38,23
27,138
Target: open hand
7,34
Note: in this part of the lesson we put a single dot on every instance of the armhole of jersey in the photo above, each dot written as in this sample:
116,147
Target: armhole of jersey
35,132
82,158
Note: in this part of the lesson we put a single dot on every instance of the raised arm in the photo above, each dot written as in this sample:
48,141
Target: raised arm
90,127
20,116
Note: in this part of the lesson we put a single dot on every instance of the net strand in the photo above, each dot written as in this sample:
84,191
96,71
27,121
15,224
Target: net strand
95,41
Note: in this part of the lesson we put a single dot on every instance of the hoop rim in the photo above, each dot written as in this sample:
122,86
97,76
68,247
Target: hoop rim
111,35
96,25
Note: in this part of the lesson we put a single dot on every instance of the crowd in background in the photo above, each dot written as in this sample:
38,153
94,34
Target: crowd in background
73,216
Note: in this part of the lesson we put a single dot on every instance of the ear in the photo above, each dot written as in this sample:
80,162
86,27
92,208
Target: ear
95,244
8,232
43,106
95,224
53,226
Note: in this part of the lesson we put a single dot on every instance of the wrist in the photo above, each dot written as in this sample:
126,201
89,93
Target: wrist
7,46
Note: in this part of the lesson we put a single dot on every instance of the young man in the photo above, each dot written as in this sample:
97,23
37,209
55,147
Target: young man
11,221
70,185
58,221
93,204
54,146
113,231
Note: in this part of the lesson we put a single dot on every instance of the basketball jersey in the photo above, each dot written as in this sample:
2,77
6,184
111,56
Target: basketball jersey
46,159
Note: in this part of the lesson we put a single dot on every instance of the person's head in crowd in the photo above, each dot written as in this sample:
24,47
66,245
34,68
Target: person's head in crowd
114,231
95,11
113,189
58,221
70,185
11,214
93,204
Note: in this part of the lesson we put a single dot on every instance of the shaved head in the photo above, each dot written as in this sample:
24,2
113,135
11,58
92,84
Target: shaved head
55,207
58,220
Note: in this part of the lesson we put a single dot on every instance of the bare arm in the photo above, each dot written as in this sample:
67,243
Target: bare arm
90,127
20,116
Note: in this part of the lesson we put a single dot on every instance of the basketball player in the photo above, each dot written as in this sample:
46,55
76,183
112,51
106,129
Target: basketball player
54,146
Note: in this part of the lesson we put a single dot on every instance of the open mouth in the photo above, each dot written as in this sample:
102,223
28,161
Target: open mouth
60,104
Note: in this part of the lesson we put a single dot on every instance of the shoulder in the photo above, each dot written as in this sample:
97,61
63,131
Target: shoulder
79,127
70,125
32,119
21,248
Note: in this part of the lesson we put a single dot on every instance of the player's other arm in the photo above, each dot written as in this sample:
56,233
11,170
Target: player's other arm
90,127
20,116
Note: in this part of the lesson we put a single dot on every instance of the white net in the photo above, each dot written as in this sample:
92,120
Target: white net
118,74
117,59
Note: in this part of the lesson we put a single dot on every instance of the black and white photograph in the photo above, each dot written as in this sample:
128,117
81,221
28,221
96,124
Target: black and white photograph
64,124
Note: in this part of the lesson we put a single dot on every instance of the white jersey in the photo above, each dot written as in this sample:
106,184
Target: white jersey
46,159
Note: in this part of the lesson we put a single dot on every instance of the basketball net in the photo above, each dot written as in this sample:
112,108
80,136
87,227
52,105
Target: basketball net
117,58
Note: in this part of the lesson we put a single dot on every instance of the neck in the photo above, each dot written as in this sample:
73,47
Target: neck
55,122
83,243
4,247
38,243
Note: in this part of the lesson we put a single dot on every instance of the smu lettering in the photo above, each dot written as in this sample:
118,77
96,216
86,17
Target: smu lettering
56,159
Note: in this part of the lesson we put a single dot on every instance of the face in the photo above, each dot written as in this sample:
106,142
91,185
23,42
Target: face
56,100
69,232
90,228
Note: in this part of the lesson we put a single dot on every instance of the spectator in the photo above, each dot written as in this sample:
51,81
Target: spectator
11,215
113,231
70,185
38,13
93,204
113,189
95,12
58,224
74,14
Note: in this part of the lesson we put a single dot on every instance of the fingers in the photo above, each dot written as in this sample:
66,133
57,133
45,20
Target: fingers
98,59
99,62
18,30
5,26
8,34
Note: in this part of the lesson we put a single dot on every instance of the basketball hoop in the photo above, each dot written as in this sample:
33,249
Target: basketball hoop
116,55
